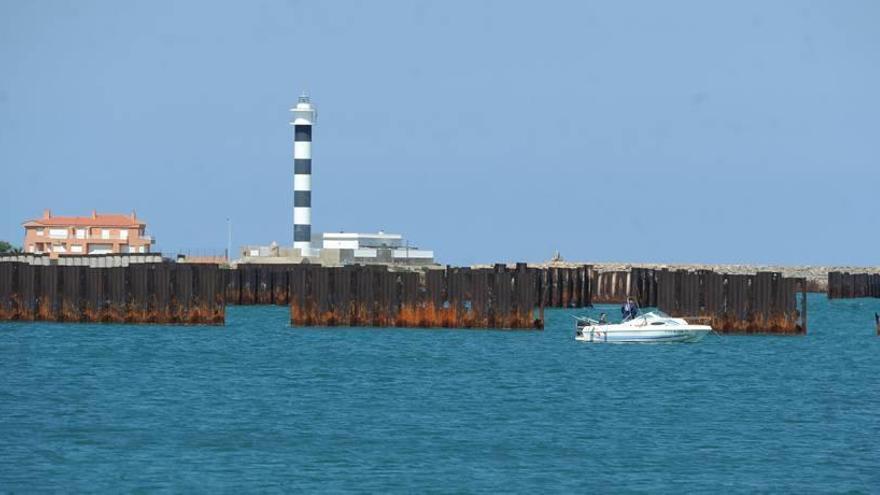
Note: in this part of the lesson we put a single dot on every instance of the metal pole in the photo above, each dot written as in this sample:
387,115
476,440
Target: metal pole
228,238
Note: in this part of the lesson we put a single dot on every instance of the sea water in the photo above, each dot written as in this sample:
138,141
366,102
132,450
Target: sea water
260,406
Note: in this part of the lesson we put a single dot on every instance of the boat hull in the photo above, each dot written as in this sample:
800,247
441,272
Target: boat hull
602,334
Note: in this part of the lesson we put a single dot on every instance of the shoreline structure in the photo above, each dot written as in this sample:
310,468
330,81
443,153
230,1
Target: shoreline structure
500,296
816,275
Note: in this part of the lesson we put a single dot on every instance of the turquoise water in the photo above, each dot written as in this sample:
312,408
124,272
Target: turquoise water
259,406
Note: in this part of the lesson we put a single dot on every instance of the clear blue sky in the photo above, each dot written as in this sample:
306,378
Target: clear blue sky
743,131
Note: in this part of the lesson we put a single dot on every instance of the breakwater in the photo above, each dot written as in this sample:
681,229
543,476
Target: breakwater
557,287
166,293
734,303
454,297
816,276
500,296
765,302
845,285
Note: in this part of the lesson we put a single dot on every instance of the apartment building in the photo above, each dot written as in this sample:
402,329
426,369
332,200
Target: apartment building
100,233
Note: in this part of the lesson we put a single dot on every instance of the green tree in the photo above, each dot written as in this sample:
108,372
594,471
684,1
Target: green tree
5,247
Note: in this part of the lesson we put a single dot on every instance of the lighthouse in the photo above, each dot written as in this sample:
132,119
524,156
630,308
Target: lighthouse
303,117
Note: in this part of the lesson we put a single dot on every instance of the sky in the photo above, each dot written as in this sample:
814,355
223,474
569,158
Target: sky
494,131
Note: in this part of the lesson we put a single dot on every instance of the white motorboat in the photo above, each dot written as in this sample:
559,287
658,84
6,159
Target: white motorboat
653,326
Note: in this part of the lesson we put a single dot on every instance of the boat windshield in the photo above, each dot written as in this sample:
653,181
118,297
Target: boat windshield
654,313
649,315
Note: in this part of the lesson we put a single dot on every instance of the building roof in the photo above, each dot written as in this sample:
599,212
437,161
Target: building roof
359,235
95,220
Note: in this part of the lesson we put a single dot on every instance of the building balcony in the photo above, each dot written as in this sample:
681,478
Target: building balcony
96,238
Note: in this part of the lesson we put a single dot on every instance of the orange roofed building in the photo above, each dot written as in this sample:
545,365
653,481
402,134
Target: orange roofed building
101,233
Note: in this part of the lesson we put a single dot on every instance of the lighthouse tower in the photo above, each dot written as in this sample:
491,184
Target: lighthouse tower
303,117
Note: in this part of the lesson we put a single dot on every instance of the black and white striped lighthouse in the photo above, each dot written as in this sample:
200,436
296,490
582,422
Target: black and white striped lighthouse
303,117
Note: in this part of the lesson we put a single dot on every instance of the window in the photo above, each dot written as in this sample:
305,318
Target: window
31,248
58,233
123,234
105,233
59,249
40,232
80,233
76,249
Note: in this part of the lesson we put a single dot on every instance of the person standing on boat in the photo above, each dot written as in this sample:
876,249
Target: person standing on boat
629,309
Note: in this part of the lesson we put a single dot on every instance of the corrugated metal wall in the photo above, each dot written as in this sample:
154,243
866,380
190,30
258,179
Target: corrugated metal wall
139,293
845,285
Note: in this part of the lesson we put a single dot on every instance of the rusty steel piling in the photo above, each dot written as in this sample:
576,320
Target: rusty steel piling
453,297
765,302
500,296
845,285
167,293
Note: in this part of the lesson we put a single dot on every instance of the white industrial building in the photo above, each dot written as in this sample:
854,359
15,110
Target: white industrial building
375,248
344,248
